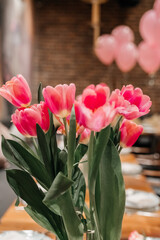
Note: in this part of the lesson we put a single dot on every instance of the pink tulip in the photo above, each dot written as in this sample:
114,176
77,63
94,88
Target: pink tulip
17,91
123,34
126,56
130,102
94,97
60,99
137,98
93,110
25,119
130,132
135,236
149,27
105,48
85,136
148,58
98,119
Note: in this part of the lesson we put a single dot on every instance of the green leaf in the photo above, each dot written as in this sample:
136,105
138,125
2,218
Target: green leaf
43,221
80,152
26,188
17,154
54,151
96,150
72,223
50,131
25,145
39,218
62,162
59,186
78,189
40,96
71,143
100,145
58,199
45,151
112,197
7,152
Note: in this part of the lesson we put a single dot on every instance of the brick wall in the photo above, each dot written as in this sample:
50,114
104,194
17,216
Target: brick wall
63,46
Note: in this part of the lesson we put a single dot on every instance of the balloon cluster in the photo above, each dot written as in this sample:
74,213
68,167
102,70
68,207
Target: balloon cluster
149,48
119,45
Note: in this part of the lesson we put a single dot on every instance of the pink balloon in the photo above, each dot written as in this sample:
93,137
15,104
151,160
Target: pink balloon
149,27
148,57
157,7
105,49
123,34
126,57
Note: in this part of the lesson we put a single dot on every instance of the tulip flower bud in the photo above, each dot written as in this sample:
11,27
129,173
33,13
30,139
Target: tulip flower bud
130,132
25,119
17,91
60,99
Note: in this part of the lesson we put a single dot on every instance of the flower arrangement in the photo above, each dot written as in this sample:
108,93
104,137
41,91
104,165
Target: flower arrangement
97,124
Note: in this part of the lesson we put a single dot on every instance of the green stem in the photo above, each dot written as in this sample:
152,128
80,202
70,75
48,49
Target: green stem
79,163
71,143
90,153
93,212
66,130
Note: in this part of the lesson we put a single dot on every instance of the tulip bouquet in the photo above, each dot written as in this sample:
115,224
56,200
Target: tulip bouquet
96,124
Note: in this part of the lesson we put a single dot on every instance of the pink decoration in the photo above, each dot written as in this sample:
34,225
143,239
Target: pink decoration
157,7
60,99
126,56
123,34
149,27
25,119
17,91
105,49
130,102
130,132
149,57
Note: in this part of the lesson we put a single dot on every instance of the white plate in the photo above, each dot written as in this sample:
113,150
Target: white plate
131,168
23,235
141,200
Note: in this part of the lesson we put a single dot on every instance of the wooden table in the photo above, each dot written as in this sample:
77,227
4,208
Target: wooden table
148,225
15,219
